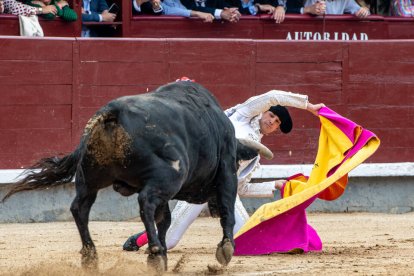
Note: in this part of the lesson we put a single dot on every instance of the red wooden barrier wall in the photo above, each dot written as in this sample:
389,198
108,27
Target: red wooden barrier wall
50,87
295,27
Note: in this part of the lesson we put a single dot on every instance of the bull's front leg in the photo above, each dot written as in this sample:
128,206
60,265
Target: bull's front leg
148,204
226,198
163,221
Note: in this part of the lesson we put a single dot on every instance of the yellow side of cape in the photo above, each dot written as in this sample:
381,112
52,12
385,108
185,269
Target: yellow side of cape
333,145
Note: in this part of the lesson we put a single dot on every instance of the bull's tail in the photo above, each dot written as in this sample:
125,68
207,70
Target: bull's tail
105,141
47,173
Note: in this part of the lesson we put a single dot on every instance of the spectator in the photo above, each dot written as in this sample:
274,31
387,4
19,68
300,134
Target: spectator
18,8
96,11
252,7
382,7
171,7
320,7
403,8
62,9
298,6
218,8
146,7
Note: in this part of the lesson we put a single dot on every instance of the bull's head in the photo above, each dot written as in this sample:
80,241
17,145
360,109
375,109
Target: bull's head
248,149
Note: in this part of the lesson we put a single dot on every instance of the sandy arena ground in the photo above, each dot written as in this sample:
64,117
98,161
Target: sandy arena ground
356,244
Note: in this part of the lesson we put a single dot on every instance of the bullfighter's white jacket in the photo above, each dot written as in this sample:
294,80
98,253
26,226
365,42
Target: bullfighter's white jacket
245,118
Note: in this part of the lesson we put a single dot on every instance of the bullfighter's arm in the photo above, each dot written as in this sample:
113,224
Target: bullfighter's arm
261,103
263,189
247,189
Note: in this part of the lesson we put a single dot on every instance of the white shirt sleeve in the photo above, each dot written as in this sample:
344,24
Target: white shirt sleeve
263,189
261,103
351,7
247,189
217,13
136,6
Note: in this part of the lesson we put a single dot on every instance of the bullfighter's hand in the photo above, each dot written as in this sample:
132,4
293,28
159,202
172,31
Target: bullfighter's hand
314,108
279,184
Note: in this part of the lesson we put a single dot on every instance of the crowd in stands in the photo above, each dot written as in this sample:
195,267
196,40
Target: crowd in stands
206,10
48,9
231,10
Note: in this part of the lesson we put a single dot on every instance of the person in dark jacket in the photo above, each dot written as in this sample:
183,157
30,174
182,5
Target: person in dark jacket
95,11
220,9
253,7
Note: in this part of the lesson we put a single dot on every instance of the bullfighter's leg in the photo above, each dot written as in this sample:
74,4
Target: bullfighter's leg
149,201
226,197
182,216
80,209
240,215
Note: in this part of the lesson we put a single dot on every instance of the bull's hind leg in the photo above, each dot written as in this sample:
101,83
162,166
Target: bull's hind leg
226,197
80,209
153,207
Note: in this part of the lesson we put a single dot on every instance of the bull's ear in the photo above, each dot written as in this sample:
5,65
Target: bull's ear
248,149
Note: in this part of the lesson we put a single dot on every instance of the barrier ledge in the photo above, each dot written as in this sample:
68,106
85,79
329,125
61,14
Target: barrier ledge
283,171
265,17
363,170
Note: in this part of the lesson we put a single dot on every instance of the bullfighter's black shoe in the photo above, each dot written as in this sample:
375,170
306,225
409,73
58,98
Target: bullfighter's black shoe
131,242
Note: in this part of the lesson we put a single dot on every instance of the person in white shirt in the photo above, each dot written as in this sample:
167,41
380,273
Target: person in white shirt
320,7
171,8
258,116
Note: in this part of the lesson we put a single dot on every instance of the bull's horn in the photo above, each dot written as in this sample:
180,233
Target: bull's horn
263,150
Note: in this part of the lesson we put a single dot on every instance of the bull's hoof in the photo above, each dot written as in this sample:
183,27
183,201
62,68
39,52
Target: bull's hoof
89,259
224,252
157,263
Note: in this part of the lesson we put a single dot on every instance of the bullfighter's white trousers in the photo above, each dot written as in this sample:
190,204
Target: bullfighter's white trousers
185,213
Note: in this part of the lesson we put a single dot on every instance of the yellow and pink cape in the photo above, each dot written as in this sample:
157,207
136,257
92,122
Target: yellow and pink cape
281,226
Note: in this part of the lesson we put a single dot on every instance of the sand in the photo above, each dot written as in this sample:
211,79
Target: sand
354,244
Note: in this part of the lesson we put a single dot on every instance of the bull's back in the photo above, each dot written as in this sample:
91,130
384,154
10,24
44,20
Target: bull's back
210,131
177,122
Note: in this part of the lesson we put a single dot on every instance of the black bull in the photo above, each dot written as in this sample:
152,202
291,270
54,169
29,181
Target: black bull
173,143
